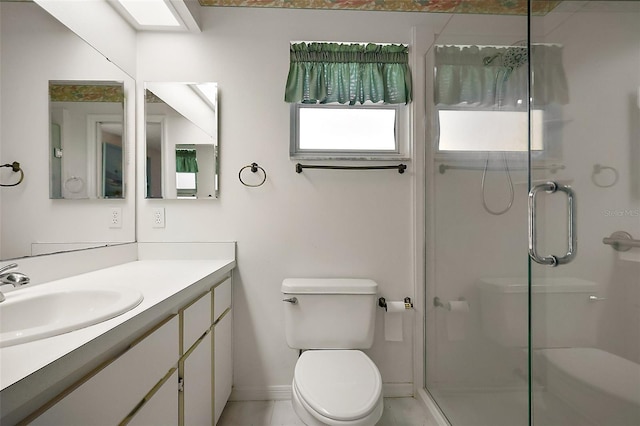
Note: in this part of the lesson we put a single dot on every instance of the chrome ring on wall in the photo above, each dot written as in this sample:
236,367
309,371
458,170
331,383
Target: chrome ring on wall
74,184
597,168
15,167
254,169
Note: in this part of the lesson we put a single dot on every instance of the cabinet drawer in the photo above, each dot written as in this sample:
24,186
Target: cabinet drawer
112,393
196,320
221,298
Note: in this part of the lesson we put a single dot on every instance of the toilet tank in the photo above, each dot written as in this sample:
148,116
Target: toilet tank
562,313
332,313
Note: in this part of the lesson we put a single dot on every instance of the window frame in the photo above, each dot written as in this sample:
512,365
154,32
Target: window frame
401,151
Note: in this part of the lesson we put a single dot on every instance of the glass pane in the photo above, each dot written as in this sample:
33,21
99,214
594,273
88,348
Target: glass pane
347,129
476,347
489,130
586,313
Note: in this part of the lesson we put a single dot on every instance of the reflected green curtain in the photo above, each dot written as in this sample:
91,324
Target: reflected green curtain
186,161
348,73
494,76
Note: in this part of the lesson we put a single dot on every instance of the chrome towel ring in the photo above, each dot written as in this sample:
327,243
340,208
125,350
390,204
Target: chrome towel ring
15,167
254,167
613,176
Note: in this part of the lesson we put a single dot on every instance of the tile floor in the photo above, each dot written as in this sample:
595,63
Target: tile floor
397,412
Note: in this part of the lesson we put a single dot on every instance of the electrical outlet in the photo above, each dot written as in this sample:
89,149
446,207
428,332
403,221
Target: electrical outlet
158,217
115,217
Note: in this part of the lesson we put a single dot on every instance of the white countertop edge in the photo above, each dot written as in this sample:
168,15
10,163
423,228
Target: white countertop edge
34,372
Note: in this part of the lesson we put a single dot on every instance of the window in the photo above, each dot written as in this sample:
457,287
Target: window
186,185
369,131
498,130
349,100
480,97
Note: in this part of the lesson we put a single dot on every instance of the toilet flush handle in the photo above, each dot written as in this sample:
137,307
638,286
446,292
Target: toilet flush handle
292,300
594,298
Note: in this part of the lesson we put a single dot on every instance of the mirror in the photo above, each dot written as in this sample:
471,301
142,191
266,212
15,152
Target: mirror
87,139
37,49
181,140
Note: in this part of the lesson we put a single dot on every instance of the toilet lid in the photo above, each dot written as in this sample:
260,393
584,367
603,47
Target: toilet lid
338,384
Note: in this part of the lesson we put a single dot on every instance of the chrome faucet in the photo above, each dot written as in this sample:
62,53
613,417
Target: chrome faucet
16,279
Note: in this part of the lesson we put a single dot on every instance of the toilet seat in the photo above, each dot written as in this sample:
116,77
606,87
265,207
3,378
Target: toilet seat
338,386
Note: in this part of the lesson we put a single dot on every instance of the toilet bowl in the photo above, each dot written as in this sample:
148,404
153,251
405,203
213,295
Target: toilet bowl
603,386
337,387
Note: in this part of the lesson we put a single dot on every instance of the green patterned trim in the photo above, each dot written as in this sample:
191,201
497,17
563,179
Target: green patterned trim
152,98
86,93
494,7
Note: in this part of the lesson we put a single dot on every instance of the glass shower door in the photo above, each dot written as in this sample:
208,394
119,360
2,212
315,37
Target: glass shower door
584,215
476,345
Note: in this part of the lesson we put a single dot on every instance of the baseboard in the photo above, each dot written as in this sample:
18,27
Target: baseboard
433,409
275,393
397,390
268,393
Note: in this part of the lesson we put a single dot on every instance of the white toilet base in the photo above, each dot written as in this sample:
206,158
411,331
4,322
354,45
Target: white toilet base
316,419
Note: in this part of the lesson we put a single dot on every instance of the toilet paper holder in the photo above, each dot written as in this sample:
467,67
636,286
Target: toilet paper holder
438,303
408,304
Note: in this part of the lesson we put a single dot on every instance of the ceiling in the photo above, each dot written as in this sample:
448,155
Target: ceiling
497,7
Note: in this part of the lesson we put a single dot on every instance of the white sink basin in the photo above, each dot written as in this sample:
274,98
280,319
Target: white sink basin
35,313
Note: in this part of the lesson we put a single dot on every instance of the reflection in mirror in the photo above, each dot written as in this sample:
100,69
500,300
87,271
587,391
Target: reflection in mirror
181,140
86,151
38,49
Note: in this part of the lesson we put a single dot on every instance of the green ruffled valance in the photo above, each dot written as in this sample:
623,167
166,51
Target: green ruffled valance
348,73
186,161
494,76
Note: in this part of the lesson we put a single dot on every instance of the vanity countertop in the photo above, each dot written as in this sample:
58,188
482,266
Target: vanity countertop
33,371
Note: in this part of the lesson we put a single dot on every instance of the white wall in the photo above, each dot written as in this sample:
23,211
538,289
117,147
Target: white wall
100,25
314,224
35,49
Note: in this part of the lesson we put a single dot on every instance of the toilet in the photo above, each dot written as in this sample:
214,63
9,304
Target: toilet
604,387
330,321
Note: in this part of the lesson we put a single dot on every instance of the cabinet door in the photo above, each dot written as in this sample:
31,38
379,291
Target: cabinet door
162,408
197,374
197,319
223,363
111,394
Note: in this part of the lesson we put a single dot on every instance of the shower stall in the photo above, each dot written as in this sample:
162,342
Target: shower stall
533,216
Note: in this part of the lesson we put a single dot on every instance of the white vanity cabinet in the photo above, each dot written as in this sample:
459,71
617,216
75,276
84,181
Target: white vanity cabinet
178,374
207,379
112,393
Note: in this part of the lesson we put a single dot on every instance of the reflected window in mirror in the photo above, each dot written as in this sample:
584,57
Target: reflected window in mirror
186,171
181,140
87,139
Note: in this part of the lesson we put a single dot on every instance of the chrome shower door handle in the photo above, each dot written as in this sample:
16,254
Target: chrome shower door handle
572,243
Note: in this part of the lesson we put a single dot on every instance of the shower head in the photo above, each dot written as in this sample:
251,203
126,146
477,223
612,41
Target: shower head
512,58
